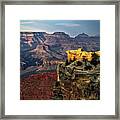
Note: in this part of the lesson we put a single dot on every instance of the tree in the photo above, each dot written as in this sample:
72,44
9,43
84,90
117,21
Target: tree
95,59
57,93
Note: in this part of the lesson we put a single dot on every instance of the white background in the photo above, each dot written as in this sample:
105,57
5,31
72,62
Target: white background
13,104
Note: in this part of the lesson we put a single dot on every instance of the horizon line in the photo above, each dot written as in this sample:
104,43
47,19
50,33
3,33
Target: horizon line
60,32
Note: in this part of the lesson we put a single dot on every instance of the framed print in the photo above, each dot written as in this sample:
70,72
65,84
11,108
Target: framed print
60,59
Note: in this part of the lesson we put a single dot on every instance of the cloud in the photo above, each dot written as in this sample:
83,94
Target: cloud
26,22
68,24
33,29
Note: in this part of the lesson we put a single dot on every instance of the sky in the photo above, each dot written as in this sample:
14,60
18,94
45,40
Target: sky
71,27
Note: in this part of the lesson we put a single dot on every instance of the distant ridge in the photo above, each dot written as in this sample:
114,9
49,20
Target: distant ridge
60,33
